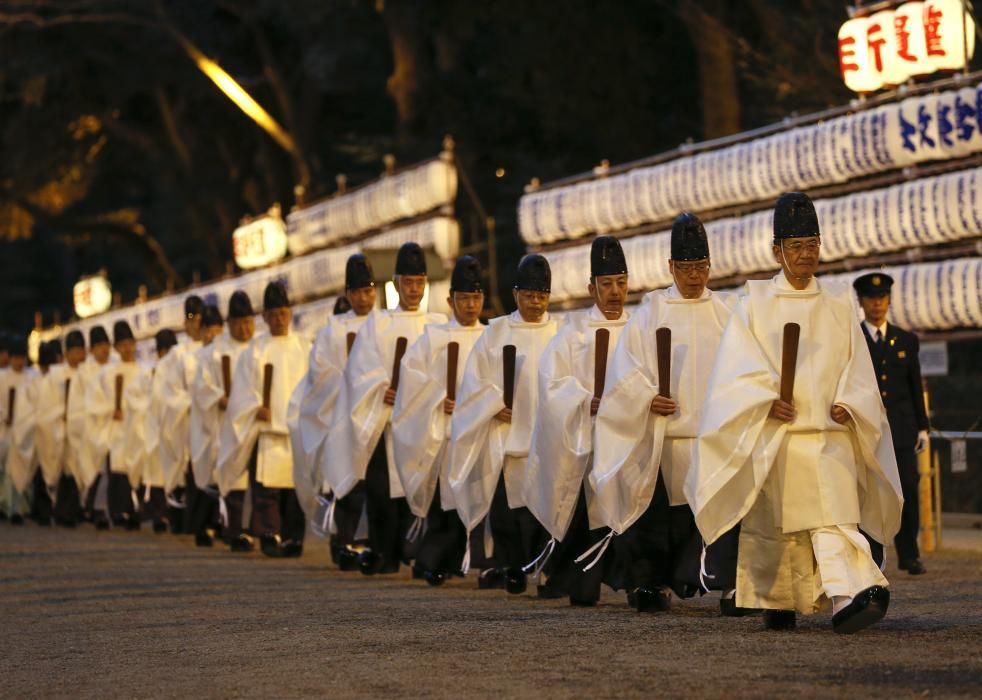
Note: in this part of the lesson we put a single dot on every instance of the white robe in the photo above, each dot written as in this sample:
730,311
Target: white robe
563,439
791,482
81,445
634,445
153,471
481,446
357,428
52,407
21,452
176,372
420,428
240,429
313,401
109,438
206,391
136,406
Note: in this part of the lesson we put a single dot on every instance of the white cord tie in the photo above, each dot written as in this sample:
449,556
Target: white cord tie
601,545
539,563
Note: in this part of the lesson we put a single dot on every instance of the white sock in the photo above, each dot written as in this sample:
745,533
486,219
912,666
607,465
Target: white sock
839,602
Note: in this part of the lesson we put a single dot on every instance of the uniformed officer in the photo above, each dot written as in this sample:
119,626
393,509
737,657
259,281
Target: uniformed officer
898,373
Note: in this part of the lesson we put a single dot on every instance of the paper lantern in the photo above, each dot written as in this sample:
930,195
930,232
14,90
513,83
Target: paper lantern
92,295
881,38
908,25
259,242
855,62
947,27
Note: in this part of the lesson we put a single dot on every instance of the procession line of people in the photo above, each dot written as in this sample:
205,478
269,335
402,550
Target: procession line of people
706,441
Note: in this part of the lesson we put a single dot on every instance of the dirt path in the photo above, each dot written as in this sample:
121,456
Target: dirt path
116,614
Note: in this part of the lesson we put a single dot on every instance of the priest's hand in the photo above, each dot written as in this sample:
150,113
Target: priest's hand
223,403
594,405
840,415
782,411
504,415
263,414
663,405
390,397
448,406
117,415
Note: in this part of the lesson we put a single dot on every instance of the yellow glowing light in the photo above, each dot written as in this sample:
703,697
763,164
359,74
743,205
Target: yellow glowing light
500,172
235,92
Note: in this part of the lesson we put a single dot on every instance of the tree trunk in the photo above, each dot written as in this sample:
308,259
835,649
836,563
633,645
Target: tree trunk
412,64
713,46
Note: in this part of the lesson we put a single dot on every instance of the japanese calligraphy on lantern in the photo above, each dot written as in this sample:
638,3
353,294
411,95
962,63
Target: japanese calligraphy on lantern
260,242
92,295
917,38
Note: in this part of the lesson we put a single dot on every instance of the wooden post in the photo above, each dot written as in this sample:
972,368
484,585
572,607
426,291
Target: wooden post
401,344
789,360
350,340
925,500
453,353
508,363
11,397
267,385
119,392
601,348
227,374
663,349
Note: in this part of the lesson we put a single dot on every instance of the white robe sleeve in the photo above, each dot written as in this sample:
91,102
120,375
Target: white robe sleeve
419,425
239,427
136,403
21,454
50,432
561,443
207,390
477,440
629,437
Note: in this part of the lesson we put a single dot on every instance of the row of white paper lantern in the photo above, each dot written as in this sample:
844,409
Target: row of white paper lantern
312,275
918,129
922,212
407,194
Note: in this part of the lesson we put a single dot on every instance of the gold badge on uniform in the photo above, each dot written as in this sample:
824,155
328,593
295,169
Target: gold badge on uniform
902,354
877,280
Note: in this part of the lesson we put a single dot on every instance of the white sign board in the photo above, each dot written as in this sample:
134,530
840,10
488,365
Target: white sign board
92,295
934,359
260,242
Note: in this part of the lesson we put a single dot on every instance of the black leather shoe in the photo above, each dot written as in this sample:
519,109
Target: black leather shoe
241,543
867,608
515,581
203,540
44,522
491,579
3,516
418,574
159,527
653,600
780,620
270,545
102,524
434,578
582,602
291,549
369,562
347,559
17,519
914,567
547,592
133,525
729,608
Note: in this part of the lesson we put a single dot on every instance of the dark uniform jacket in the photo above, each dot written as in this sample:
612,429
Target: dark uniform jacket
898,372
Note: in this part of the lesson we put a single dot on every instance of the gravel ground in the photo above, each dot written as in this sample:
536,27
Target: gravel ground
118,614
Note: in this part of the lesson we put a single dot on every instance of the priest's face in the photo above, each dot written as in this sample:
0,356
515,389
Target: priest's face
362,299
4,359
798,258
532,305
466,306
411,289
609,292
127,350
875,308
691,276
278,320
100,351
209,333
18,363
242,329
74,357
192,326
